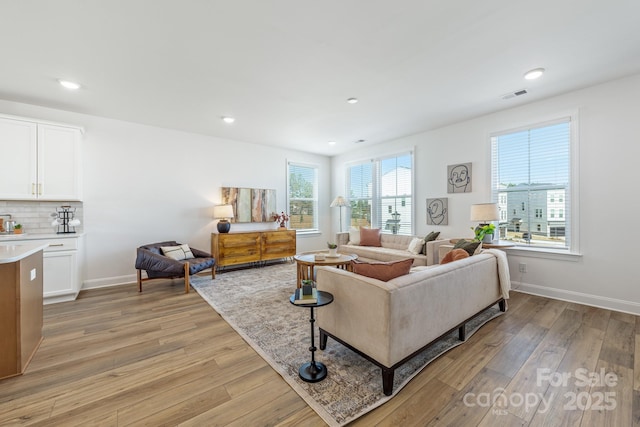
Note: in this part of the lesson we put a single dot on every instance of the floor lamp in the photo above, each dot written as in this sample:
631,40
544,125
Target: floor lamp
339,202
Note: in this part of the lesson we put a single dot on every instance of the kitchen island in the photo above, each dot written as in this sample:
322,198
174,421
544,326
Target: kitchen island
20,305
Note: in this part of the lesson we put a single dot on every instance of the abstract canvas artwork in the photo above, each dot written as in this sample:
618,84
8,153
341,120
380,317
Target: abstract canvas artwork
438,211
459,178
250,204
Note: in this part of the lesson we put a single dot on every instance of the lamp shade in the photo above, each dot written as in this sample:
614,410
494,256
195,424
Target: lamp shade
223,212
338,201
485,212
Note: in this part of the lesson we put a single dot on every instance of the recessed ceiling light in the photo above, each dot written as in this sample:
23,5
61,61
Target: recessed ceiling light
360,141
534,74
332,143
228,119
352,100
69,85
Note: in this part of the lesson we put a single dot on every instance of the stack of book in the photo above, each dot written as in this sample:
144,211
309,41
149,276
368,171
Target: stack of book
300,298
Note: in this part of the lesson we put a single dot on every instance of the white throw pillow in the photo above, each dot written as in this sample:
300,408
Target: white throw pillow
354,235
415,246
177,252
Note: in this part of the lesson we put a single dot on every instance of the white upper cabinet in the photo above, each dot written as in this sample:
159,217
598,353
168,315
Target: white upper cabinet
41,161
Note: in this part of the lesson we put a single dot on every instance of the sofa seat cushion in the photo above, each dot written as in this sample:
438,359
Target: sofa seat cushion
383,253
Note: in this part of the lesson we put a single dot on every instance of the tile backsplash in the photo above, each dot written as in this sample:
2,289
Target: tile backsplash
35,216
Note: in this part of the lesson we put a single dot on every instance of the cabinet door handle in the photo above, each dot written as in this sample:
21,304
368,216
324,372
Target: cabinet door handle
33,188
39,189
57,244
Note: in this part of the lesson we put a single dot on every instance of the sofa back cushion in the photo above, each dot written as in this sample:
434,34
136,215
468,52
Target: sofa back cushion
395,241
370,236
384,271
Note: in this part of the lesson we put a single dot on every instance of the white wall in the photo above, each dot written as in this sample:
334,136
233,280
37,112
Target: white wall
145,184
609,146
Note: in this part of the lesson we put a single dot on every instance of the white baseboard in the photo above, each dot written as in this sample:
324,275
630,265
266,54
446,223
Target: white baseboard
109,281
578,297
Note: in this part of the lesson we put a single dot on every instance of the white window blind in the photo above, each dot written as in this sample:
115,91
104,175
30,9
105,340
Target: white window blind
381,193
303,196
532,184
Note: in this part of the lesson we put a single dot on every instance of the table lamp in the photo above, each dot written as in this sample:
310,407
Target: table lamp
223,213
484,213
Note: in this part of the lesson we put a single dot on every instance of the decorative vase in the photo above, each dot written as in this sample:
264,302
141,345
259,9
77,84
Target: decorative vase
283,225
333,252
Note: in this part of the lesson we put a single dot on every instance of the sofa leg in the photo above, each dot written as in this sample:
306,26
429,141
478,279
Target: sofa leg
213,272
186,277
462,332
387,381
139,280
323,340
503,306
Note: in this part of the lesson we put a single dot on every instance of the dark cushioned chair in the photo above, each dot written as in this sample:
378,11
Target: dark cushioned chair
150,258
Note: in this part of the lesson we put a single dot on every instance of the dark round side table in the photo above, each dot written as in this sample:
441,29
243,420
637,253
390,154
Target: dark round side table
313,371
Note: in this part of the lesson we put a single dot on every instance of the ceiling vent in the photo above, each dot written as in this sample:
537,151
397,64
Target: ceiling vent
514,94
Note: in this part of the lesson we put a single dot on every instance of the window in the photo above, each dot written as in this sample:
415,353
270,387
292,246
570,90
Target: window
532,167
302,192
380,194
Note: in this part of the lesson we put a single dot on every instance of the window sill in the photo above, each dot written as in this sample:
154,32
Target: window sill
308,233
557,254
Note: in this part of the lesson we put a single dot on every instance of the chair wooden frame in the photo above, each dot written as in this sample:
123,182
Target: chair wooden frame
186,277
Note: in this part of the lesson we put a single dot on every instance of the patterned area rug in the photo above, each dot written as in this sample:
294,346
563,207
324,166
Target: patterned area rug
280,333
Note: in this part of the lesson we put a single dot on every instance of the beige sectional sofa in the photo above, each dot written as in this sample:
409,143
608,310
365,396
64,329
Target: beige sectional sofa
394,247
390,322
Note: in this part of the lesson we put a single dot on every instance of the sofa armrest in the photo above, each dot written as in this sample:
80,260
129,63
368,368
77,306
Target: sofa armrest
359,313
433,250
342,238
199,253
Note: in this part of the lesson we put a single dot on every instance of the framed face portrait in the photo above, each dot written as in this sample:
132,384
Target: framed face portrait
438,211
459,178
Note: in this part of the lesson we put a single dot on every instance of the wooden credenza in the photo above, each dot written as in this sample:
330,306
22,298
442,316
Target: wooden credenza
252,246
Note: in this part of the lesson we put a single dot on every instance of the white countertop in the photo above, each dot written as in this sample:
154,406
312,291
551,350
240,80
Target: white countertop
6,238
12,252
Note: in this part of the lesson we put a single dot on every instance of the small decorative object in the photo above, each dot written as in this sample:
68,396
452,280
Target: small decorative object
333,249
459,178
223,213
307,287
319,257
17,229
281,218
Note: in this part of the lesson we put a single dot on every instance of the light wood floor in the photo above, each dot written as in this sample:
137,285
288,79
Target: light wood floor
116,357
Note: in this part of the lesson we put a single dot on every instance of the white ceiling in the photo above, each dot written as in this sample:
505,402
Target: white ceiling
284,68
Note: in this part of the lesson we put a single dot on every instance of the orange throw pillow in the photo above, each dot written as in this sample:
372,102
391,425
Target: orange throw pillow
370,237
454,255
384,271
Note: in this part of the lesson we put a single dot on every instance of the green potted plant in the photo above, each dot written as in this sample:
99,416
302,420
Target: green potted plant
333,249
484,233
17,229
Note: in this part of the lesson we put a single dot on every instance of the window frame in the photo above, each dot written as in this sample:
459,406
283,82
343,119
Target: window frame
376,218
316,169
572,251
